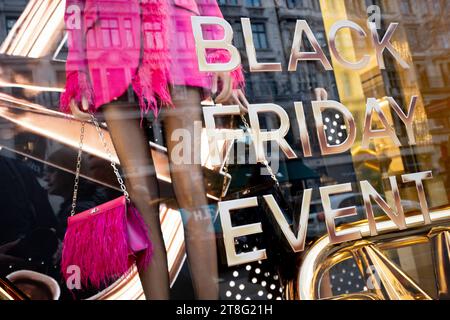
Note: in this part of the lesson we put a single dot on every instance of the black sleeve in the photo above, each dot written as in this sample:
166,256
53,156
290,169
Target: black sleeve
36,196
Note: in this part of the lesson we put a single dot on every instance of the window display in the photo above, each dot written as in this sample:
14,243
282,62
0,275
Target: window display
232,150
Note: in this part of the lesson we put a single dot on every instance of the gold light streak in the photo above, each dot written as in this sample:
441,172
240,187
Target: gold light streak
66,129
4,84
39,25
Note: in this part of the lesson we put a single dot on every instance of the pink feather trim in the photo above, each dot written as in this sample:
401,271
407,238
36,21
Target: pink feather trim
78,85
223,56
99,246
152,90
151,83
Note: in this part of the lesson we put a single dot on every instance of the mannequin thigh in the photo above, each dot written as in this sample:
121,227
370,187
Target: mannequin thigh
133,150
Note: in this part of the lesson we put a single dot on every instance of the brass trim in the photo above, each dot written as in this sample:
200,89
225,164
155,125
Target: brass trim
322,255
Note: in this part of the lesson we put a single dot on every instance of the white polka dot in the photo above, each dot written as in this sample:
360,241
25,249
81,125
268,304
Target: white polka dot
238,297
248,268
257,270
228,294
260,293
263,283
269,296
241,287
254,280
235,274
232,284
272,286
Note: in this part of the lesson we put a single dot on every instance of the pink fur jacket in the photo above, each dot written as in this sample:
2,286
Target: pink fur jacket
146,43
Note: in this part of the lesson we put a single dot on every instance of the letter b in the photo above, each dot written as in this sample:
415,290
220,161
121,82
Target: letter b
202,44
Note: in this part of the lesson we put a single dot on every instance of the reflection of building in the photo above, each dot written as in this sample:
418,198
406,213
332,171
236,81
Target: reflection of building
273,25
426,26
427,43
420,48
9,14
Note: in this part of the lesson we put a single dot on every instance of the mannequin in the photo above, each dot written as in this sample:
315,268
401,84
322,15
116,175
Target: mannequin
156,82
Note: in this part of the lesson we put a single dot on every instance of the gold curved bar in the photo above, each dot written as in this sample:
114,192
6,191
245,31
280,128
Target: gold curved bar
387,280
9,292
323,255
355,297
440,247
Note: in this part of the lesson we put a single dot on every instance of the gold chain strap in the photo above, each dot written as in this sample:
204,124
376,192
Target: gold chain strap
265,162
79,158
77,171
112,163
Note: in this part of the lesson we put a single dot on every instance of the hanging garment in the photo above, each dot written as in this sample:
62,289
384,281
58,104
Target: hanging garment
148,44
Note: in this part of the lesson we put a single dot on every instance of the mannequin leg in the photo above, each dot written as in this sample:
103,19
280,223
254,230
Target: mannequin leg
188,184
133,150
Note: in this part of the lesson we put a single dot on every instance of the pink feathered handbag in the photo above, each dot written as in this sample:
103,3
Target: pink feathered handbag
104,242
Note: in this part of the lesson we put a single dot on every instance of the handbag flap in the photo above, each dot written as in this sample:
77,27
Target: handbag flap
119,202
137,234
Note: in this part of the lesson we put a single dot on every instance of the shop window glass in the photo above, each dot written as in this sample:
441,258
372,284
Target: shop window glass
38,144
